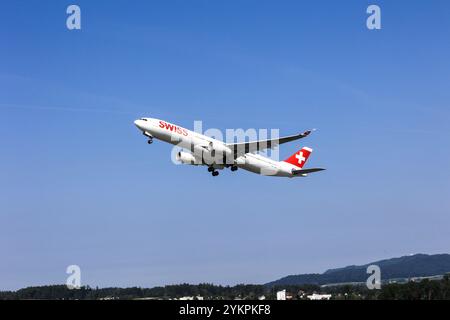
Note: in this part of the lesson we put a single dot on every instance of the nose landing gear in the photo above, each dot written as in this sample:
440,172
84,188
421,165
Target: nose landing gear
234,168
149,136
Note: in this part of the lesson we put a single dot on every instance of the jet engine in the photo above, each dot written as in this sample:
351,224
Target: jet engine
186,158
242,160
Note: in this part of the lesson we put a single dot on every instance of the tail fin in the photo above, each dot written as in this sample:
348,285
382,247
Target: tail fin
299,158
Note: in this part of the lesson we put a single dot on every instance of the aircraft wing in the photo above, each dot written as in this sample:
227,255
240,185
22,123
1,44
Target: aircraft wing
242,148
305,171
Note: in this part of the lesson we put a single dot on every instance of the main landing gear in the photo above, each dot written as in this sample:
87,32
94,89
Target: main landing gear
213,171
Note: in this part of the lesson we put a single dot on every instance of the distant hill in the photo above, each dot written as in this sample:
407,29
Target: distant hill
418,265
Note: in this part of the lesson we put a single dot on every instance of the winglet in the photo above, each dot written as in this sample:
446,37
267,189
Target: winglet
307,133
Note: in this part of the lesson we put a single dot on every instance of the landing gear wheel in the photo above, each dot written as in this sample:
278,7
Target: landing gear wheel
215,173
150,141
234,168
210,169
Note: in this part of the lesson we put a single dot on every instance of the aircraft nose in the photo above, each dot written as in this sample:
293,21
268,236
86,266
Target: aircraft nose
138,123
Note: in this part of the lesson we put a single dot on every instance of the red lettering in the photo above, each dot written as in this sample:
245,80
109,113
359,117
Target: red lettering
169,126
172,128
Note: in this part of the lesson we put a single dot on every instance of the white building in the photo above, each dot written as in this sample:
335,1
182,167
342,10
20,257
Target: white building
281,295
316,296
191,298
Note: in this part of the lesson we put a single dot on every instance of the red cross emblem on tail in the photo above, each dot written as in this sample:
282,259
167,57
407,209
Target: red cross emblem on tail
299,158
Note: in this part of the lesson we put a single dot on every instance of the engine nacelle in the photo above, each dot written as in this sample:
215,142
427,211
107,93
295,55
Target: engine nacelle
240,161
186,158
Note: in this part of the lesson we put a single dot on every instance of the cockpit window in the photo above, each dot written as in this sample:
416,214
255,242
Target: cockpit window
144,119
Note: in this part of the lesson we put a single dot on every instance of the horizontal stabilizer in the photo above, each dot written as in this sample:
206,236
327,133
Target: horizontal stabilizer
305,171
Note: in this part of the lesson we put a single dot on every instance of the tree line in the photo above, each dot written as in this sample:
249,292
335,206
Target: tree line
421,290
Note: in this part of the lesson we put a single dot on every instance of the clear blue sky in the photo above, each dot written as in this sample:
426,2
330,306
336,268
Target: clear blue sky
79,184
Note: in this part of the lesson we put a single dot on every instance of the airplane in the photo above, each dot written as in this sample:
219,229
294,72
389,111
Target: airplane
218,155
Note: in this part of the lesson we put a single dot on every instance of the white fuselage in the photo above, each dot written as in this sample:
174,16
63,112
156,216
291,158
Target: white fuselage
200,145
